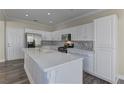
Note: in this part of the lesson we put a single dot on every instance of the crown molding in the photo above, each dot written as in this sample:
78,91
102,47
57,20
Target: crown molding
29,22
82,16
24,21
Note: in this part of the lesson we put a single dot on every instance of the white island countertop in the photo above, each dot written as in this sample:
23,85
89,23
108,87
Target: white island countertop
49,59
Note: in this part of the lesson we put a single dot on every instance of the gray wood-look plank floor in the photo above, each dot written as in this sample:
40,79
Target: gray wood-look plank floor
90,79
12,72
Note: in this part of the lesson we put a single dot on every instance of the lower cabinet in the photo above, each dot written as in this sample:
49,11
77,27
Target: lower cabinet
67,73
101,64
104,64
88,64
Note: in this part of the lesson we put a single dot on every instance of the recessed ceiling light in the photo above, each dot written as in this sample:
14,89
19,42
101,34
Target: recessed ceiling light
49,13
50,21
26,14
35,20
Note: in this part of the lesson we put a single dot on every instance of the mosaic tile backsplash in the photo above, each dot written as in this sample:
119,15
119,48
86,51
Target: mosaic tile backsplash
85,45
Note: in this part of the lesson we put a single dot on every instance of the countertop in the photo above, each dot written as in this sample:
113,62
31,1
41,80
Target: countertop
48,59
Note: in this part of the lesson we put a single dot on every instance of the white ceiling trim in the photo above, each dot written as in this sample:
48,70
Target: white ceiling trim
24,21
87,14
50,28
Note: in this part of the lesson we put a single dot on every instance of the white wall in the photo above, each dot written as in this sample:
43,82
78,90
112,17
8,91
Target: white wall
16,30
2,50
31,24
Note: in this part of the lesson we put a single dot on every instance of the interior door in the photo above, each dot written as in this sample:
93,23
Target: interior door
14,42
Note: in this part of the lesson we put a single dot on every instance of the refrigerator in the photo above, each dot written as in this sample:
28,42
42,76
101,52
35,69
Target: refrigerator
33,40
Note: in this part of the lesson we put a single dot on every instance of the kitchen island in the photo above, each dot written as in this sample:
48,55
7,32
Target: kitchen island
46,66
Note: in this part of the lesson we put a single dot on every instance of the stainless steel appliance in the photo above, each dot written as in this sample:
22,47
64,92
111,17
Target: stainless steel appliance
32,40
66,37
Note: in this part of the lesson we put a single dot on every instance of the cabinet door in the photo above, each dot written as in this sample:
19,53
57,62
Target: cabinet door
56,35
85,65
52,36
90,31
103,63
74,34
46,35
49,36
104,32
88,64
81,32
43,35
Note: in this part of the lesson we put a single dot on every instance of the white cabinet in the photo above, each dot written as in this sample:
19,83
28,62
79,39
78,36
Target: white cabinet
88,64
44,34
74,34
103,63
104,32
79,33
53,36
89,31
47,36
53,71
56,36
105,47
83,33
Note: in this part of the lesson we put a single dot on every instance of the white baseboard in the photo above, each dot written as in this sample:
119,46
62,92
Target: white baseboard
3,60
28,75
121,77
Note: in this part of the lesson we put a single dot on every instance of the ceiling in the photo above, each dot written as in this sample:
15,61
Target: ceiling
47,16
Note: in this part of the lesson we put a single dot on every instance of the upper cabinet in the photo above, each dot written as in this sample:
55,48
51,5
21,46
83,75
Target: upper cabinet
83,33
47,36
78,33
90,31
105,31
56,36
74,34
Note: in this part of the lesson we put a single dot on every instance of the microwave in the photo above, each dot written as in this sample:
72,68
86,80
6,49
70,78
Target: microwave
66,37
